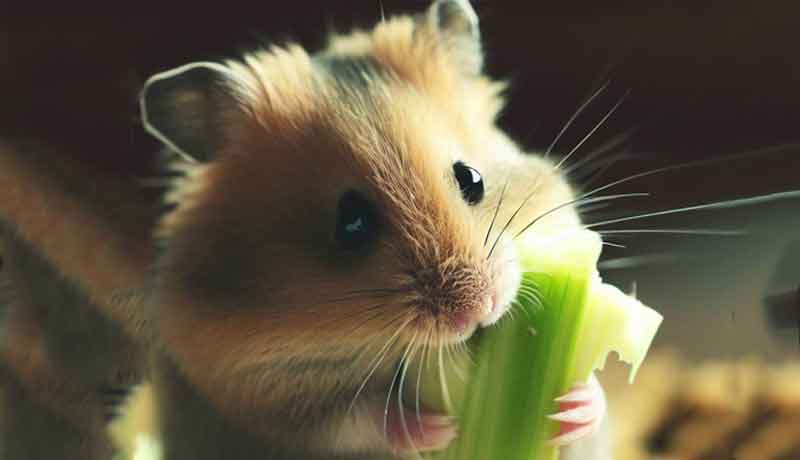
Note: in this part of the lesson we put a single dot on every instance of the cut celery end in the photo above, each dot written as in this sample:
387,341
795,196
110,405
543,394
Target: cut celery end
620,323
565,324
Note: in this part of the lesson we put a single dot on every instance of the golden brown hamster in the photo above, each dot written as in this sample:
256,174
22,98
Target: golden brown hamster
336,215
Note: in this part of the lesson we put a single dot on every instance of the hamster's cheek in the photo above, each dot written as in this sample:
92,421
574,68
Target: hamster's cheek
507,276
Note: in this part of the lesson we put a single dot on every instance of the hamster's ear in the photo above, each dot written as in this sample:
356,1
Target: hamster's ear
184,108
456,24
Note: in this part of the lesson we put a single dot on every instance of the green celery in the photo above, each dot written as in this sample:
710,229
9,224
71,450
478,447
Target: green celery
565,323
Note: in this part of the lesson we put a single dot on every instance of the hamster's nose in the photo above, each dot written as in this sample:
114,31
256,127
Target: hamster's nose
467,320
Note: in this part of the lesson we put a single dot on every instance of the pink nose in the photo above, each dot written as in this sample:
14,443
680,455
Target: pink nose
465,320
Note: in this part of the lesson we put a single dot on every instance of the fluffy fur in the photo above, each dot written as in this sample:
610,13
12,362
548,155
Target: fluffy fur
265,331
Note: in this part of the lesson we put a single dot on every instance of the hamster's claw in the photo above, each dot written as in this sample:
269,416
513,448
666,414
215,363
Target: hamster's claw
580,413
430,431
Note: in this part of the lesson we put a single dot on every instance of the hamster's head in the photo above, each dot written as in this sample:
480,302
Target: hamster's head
339,205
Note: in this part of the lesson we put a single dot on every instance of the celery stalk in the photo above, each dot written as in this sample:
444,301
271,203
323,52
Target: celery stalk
565,324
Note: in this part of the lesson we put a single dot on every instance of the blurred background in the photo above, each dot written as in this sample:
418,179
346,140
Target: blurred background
700,80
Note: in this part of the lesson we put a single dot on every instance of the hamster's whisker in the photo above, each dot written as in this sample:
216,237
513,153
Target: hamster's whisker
496,211
375,310
376,313
405,361
354,297
511,311
442,374
614,245
526,295
367,293
621,263
677,231
388,398
460,348
378,358
517,306
614,142
420,349
531,294
511,314
381,355
456,368
463,349
599,167
513,216
574,116
593,130
727,204
594,207
604,166
377,290
468,352
423,362
697,164
580,201
397,374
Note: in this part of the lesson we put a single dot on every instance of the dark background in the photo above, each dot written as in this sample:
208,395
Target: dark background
704,79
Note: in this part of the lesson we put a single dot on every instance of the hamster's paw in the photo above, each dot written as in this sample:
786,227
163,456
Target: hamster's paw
408,431
580,412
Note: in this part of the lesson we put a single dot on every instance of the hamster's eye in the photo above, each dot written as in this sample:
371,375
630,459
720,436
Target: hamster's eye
469,181
356,221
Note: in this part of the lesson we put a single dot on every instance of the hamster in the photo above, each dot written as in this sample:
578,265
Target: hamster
334,214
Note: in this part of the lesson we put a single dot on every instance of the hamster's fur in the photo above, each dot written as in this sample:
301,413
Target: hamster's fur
258,325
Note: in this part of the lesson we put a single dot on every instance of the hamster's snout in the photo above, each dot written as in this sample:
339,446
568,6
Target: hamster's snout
452,299
465,297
